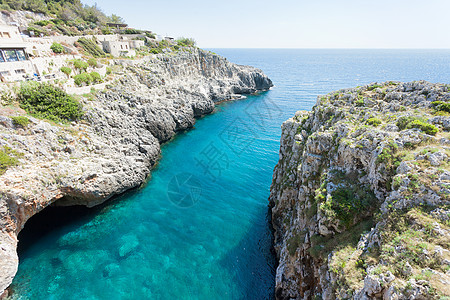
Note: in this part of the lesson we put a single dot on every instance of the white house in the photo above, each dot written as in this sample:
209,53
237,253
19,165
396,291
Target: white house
136,44
14,62
118,48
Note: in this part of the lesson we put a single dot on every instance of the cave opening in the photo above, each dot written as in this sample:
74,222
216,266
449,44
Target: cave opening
50,220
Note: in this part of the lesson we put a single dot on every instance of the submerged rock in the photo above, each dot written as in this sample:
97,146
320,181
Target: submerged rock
360,195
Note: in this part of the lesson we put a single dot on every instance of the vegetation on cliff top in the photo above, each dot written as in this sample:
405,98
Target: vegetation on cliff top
47,101
70,17
377,203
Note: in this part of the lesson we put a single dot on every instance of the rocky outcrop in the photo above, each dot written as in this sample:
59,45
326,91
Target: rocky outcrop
360,195
117,143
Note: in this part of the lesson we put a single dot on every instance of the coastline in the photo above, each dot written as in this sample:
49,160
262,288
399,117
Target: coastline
129,120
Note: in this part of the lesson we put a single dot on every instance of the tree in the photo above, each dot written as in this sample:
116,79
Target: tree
116,19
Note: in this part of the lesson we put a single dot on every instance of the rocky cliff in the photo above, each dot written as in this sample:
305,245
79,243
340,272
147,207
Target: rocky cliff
360,195
116,144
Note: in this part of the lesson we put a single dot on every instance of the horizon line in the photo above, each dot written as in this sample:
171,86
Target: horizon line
293,48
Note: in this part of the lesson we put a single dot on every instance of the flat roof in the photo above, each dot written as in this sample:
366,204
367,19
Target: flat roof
117,24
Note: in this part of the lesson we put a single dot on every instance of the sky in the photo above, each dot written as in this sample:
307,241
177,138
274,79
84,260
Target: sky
292,23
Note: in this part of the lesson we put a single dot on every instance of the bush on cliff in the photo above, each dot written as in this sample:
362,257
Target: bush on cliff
66,70
92,62
409,122
186,42
95,77
441,106
374,121
80,65
82,79
91,48
425,127
20,121
8,158
46,101
57,48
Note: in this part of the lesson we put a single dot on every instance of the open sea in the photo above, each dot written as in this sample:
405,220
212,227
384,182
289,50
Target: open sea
199,229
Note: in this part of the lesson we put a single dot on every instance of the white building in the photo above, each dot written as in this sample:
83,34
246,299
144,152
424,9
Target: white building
118,48
136,44
14,62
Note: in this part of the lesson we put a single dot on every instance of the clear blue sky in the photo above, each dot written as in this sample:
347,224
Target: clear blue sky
292,23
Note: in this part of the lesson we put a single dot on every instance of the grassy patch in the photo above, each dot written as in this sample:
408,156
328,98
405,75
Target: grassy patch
20,121
295,241
8,158
321,246
408,236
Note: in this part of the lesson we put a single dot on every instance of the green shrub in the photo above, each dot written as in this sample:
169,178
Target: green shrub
350,203
408,122
371,88
92,62
82,79
403,122
6,98
441,106
186,42
106,31
66,70
91,47
21,121
132,31
95,77
108,70
155,50
43,23
425,127
37,31
8,158
359,102
150,35
46,101
373,121
80,65
5,6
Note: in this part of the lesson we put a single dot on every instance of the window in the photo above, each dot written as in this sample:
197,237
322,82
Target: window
5,73
2,59
21,54
20,71
6,35
11,55
121,46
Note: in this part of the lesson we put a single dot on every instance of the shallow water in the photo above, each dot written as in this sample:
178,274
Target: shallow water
200,228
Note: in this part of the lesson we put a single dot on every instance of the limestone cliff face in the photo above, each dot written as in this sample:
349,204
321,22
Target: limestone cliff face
360,195
118,142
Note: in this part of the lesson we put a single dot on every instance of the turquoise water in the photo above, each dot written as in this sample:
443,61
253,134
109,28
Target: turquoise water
199,229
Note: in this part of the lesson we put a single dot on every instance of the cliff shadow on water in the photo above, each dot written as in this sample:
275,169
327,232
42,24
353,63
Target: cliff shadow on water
54,221
245,264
